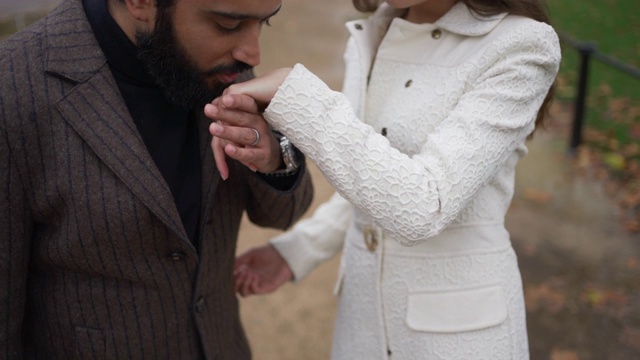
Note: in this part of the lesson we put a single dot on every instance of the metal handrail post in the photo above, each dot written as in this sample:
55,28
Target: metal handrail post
586,50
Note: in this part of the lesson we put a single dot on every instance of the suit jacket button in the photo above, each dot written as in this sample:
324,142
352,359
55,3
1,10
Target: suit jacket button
177,256
199,305
436,34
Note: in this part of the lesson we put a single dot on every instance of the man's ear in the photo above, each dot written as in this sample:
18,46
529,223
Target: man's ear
133,16
144,11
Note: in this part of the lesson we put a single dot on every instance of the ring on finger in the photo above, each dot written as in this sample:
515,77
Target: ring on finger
255,142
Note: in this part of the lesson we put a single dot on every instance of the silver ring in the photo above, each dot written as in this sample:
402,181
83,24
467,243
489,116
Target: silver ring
255,142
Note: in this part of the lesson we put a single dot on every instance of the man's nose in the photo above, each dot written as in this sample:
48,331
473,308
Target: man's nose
248,50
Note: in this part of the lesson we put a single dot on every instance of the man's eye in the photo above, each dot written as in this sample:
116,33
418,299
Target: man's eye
266,22
229,28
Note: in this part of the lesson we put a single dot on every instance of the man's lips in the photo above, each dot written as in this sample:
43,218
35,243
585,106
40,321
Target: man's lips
228,78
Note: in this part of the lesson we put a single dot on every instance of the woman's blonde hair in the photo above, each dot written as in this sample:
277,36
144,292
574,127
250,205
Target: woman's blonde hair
533,9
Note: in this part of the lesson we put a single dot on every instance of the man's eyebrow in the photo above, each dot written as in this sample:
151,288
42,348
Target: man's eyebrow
240,16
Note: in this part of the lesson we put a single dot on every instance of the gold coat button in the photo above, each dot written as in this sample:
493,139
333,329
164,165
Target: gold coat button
436,34
370,238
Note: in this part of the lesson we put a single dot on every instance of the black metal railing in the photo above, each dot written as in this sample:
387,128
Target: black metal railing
589,51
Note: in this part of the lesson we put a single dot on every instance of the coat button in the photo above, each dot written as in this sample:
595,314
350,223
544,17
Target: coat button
436,34
370,238
408,83
177,256
358,27
199,305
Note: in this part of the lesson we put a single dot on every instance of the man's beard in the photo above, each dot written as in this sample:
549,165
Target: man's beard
174,71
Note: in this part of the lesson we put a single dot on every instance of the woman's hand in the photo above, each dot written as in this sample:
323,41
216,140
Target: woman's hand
260,270
263,88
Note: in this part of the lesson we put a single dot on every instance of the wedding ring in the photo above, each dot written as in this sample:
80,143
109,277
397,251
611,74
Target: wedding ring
255,142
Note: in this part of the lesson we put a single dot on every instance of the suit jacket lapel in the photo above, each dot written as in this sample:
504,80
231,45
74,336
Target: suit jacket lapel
96,111
210,174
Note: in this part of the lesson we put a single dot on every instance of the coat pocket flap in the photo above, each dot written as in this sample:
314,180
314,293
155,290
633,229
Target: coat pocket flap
456,311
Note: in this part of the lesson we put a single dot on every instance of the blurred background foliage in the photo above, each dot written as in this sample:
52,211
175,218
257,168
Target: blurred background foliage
611,149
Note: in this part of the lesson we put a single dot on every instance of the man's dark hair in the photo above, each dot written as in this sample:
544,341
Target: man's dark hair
159,3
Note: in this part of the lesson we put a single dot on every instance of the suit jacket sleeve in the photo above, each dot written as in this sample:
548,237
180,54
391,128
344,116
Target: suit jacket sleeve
16,229
272,207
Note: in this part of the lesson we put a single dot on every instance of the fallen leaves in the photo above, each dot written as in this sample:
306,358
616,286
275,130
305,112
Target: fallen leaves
618,168
610,151
600,298
631,337
536,196
562,354
545,296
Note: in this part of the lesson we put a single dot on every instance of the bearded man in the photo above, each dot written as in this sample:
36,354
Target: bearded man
117,233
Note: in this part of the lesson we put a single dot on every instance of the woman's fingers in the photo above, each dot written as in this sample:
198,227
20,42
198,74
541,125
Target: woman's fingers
262,88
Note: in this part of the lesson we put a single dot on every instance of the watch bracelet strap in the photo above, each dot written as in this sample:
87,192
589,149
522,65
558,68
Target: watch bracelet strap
295,152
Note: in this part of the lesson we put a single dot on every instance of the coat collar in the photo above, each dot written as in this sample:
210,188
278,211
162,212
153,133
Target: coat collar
94,108
462,21
458,20
72,51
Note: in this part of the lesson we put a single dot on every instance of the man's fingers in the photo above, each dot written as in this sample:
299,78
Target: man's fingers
220,157
245,136
247,156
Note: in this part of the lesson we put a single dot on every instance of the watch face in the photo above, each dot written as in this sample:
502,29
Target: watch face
288,154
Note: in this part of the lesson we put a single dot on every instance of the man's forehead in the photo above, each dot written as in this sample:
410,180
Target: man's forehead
240,9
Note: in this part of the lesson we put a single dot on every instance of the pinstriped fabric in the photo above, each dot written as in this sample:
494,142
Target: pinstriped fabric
94,262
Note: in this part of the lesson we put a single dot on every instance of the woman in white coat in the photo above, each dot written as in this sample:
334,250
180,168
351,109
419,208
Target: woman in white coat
421,147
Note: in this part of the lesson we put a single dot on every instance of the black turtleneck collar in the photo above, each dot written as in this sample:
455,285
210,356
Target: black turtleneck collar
170,132
121,53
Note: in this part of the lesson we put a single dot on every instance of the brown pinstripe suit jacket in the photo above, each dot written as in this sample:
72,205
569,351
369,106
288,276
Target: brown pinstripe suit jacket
94,261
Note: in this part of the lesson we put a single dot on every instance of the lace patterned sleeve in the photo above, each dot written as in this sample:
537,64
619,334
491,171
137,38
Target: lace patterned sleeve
314,240
417,197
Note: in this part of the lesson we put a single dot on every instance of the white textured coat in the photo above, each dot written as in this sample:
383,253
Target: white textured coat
424,168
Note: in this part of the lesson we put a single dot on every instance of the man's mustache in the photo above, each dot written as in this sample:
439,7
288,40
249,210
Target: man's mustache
235,68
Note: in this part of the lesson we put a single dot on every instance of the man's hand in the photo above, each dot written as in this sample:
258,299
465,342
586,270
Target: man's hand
240,132
260,270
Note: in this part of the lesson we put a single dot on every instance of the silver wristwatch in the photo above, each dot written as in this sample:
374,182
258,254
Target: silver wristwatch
289,157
